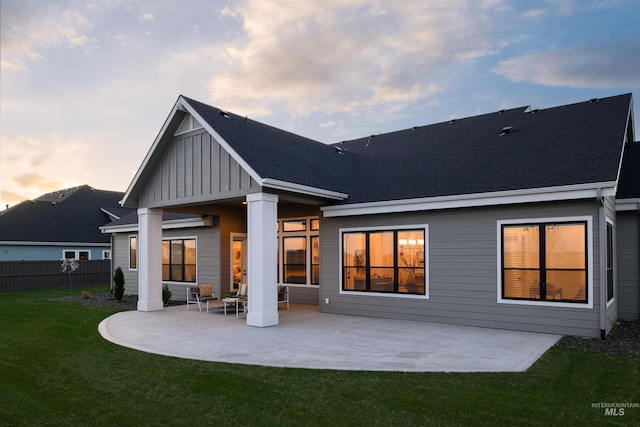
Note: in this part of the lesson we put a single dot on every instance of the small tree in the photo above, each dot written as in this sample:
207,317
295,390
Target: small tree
69,265
118,281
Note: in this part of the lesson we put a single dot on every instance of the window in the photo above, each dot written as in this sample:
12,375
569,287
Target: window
609,261
106,254
295,260
76,254
545,262
133,252
298,254
384,261
179,260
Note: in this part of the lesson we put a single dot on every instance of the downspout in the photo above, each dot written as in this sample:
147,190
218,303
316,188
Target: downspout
602,232
111,266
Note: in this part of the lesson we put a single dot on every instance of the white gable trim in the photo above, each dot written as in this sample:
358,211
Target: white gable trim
166,225
628,205
570,192
303,189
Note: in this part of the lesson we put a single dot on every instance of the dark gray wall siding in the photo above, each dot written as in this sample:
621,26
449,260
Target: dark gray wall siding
462,271
628,245
195,168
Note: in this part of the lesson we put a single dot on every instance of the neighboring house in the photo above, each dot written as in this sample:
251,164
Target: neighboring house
505,220
61,224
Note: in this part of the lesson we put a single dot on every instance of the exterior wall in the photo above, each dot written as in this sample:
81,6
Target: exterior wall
208,242
462,271
628,265
195,168
46,252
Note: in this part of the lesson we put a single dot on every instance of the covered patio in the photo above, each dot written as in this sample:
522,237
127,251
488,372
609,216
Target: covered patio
306,338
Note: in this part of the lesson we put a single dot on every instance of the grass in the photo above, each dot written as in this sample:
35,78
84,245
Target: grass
56,370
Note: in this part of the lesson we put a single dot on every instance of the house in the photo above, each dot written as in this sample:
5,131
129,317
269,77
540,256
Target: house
522,219
61,224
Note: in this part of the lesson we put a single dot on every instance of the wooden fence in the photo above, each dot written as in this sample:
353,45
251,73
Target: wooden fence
17,275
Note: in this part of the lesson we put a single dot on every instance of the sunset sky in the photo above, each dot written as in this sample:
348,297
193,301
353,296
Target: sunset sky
87,85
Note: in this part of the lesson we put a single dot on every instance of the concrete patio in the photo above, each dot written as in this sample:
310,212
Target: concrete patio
306,338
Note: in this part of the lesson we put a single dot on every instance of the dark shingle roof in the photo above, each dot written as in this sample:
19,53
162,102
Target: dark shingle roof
278,154
573,144
71,215
629,186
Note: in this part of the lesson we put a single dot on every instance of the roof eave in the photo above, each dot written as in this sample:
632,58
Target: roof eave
533,195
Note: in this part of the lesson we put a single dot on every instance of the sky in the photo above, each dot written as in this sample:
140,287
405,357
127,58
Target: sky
86,85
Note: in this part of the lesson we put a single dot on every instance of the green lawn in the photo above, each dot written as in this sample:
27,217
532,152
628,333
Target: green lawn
55,369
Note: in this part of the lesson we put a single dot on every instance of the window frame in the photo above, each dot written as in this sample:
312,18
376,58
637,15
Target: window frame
131,266
543,221
610,265
308,232
395,228
76,254
181,239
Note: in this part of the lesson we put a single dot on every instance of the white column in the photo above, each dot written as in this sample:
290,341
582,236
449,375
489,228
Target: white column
262,216
149,259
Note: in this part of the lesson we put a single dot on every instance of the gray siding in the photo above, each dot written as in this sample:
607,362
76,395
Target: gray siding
462,272
195,168
628,265
208,242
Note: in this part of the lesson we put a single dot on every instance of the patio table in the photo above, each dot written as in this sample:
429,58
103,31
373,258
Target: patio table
224,303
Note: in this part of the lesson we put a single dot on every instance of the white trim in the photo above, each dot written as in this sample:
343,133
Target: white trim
166,225
570,192
110,254
232,237
76,244
308,234
427,266
589,221
613,262
76,253
628,205
277,184
129,251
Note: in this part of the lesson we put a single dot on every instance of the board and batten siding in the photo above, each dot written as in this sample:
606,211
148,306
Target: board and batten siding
195,168
628,264
462,271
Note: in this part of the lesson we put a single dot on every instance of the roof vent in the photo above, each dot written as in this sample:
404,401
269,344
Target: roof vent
501,111
339,150
369,140
594,101
506,130
535,111
223,114
415,127
453,120
53,203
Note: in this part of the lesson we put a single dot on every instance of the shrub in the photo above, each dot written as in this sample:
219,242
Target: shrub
166,293
85,294
118,280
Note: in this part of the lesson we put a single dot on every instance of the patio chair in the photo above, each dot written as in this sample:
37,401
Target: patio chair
200,294
283,295
242,291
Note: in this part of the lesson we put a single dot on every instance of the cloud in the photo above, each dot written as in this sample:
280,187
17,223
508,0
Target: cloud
146,17
609,66
27,29
9,197
345,56
30,163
